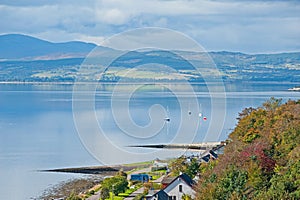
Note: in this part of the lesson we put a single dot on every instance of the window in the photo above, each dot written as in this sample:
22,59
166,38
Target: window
180,188
174,197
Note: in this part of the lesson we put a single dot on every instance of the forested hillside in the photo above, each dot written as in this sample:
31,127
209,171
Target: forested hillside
262,160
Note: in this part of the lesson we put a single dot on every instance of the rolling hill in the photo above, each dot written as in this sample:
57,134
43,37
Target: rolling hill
28,59
16,47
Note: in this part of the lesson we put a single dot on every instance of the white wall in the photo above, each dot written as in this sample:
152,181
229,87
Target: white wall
173,189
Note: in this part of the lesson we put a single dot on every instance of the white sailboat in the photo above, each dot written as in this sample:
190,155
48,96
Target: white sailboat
167,118
189,110
200,113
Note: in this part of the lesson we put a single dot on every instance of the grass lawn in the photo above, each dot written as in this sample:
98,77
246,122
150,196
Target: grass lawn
126,193
113,197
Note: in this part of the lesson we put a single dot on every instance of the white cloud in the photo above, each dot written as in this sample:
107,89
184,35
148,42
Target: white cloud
218,25
112,16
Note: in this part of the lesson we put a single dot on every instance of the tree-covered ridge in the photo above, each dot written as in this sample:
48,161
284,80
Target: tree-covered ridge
151,66
262,160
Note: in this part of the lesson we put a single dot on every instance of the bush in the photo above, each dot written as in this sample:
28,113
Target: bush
104,194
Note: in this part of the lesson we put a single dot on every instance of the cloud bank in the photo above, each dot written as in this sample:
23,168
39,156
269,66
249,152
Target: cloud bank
233,25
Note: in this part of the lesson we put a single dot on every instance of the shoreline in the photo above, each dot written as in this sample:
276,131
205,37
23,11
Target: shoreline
101,170
137,82
94,176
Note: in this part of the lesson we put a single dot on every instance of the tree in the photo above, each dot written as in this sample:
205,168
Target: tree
262,161
178,166
116,184
245,113
233,182
272,104
104,194
120,186
192,168
121,173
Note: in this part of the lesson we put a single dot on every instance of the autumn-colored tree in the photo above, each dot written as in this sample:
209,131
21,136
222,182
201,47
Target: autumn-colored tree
262,161
185,165
178,166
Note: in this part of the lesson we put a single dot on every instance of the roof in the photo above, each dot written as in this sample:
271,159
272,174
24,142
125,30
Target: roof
186,179
206,158
213,154
167,180
161,195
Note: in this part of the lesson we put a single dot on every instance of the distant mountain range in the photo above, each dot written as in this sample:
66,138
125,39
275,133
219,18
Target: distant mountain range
17,47
25,58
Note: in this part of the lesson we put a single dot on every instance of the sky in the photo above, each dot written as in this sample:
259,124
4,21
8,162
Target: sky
218,25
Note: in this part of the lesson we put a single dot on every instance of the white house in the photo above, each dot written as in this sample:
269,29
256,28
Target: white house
181,185
158,164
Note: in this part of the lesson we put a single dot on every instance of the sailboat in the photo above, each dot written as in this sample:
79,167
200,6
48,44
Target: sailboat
167,119
189,111
200,113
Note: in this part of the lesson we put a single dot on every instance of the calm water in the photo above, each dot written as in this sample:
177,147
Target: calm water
37,130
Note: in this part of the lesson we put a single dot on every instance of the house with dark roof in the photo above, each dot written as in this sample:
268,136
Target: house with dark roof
181,185
208,155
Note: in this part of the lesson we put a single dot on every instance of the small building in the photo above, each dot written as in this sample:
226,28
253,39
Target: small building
159,165
140,177
208,155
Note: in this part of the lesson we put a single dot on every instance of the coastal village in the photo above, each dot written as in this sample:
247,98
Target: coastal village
160,180
260,160
150,100
172,179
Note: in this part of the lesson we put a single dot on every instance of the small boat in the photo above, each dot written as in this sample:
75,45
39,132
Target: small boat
189,111
167,119
200,113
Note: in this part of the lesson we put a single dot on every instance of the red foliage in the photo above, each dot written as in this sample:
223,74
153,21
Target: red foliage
256,151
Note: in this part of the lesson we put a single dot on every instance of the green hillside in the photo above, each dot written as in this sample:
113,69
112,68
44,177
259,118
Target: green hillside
157,66
262,161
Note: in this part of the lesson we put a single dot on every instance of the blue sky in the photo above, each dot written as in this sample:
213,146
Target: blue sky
231,25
